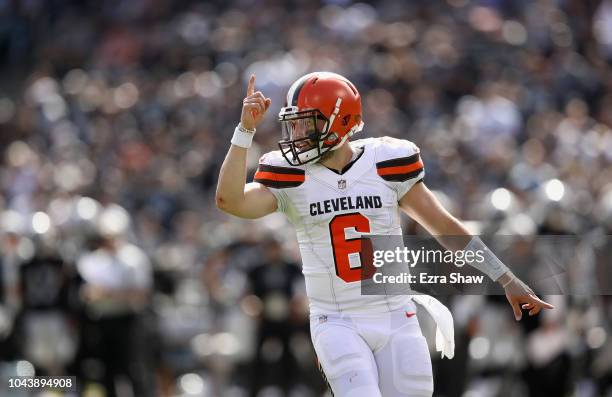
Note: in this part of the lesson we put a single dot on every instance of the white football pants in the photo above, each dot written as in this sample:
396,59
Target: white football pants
373,355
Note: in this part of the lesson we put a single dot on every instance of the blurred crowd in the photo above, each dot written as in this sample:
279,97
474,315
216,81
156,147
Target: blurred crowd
115,116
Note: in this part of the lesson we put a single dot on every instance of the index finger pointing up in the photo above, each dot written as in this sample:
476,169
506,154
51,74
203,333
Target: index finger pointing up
251,86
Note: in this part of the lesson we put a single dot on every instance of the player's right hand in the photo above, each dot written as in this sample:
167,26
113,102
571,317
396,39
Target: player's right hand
254,106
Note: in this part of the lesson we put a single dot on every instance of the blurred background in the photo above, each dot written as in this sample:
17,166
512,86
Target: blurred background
115,116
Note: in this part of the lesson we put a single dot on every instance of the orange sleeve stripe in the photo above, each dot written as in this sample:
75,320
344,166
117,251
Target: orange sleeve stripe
402,169
273,176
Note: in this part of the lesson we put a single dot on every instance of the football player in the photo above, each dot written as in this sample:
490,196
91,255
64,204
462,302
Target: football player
333,190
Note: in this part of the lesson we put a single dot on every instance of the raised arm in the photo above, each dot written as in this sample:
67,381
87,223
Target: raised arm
234,195
422,205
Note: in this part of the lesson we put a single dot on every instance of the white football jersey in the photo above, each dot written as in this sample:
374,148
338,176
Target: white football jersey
330,211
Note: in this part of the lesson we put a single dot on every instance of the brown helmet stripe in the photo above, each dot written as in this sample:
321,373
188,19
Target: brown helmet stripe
296,93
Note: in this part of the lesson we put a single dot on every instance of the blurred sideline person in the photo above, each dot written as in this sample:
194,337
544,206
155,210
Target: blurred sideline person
9,293
277,284
117,282
48,321
333,190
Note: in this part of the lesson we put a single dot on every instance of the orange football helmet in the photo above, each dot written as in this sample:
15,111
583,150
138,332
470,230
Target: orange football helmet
323,110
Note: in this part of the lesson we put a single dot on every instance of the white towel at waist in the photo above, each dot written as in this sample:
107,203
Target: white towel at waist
445,331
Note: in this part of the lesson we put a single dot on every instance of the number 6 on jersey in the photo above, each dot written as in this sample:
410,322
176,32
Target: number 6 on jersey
343,247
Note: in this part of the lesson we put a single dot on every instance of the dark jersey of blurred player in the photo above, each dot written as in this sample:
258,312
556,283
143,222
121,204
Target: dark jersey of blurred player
47,284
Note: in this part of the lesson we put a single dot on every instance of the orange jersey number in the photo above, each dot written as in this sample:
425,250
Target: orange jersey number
343,247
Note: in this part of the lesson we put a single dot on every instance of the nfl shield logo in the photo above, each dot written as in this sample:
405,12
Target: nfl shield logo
342,184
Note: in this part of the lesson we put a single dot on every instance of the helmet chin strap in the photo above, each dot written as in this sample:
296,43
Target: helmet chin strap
306,155
349,134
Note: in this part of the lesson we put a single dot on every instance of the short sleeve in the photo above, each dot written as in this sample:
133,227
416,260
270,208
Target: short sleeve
399,163
274,173
282,200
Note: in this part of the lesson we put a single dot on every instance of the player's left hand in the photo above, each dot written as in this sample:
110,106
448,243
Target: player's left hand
519,296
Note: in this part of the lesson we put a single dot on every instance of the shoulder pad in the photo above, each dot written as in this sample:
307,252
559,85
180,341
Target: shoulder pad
274,171
274,158
397,160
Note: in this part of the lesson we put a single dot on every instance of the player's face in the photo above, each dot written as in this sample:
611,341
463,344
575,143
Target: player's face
303,135
303,130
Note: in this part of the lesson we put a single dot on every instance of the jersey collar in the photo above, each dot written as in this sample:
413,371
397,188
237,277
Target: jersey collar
347,167
349,174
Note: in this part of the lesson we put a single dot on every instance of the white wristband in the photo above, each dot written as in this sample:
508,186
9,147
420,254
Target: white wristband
491,265
511,279
242,137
